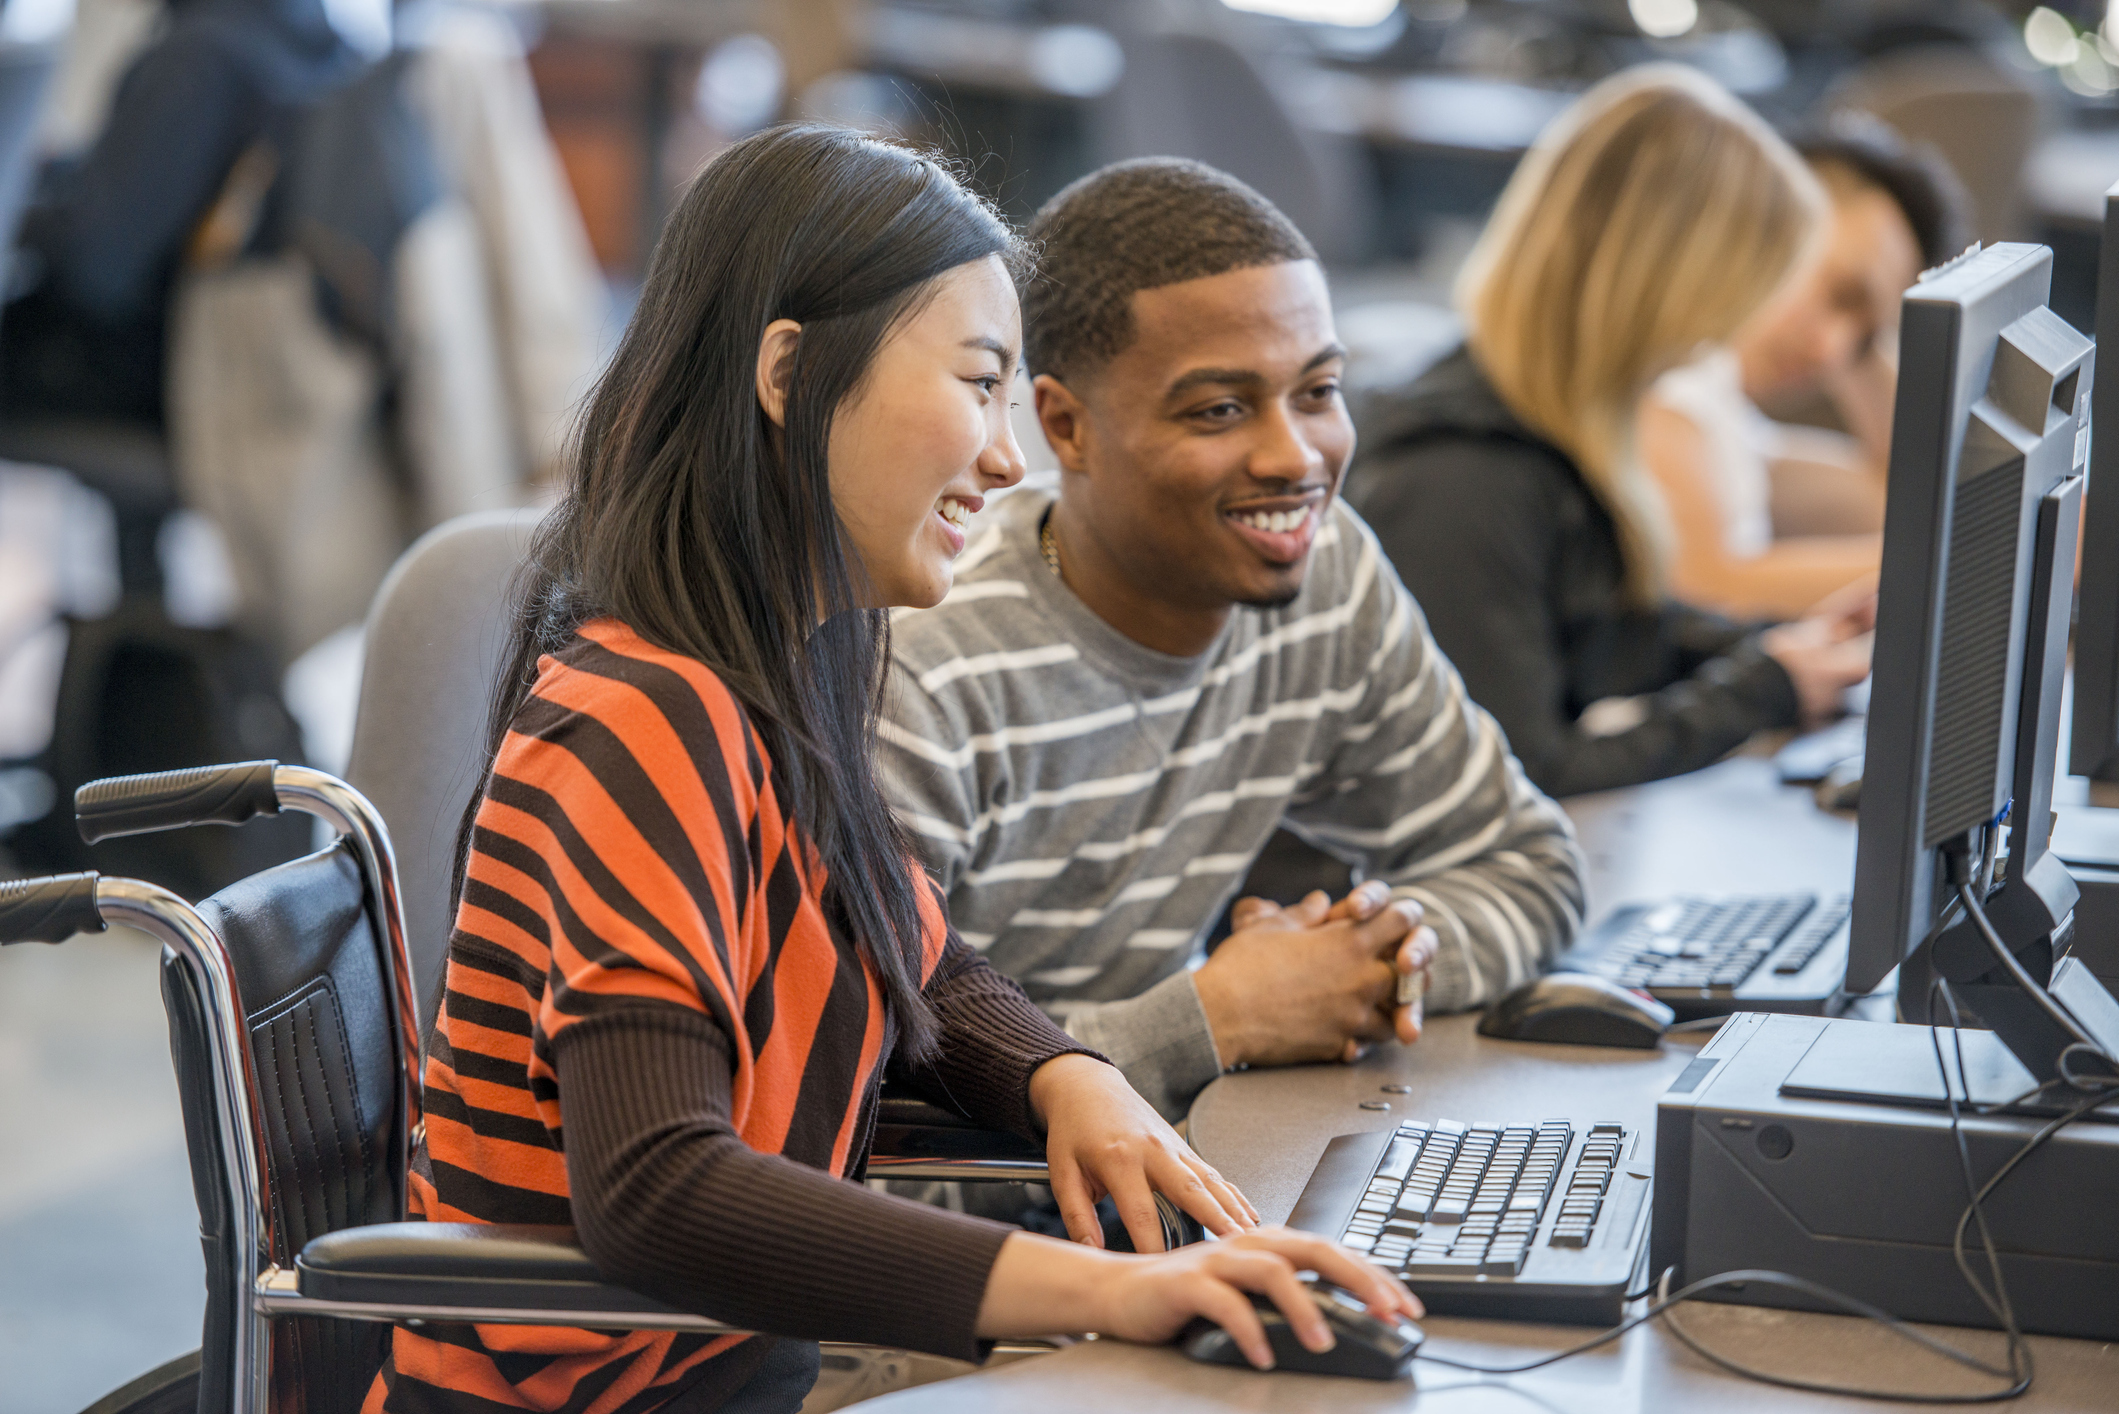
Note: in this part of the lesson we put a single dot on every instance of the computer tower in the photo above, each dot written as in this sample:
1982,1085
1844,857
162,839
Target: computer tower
1822,1148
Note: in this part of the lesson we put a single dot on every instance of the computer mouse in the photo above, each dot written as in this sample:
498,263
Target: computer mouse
1368,1348
1578,1009
1841,787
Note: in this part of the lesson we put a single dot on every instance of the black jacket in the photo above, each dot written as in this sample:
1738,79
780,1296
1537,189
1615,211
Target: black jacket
107,233
1517,566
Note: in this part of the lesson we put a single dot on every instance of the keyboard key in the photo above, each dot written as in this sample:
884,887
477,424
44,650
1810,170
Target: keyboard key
1445,1267
1449,1209
1398,1159
1570,1237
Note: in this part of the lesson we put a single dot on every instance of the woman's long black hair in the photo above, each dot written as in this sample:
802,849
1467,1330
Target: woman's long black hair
709,532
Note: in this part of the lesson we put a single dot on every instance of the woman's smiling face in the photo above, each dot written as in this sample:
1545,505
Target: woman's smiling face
919,445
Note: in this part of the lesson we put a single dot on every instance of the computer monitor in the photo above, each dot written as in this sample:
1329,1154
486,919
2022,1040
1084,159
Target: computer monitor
2093,748
1989,443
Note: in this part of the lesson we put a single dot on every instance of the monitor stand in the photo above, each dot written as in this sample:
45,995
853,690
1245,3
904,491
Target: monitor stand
2086,837
1895,1065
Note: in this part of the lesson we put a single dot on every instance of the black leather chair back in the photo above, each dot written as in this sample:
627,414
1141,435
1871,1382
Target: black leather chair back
303,943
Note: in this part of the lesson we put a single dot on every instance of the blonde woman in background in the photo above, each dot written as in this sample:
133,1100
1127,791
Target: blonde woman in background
1655,217
1770,516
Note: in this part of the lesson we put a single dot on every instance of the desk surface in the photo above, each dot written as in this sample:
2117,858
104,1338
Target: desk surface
1728,829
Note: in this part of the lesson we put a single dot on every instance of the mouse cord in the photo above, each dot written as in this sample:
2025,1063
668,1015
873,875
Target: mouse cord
1666,1299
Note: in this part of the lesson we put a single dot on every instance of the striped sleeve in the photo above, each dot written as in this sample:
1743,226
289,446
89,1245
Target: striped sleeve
668,1201
1422,791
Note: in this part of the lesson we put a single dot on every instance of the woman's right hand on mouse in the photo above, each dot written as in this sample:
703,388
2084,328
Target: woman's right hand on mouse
1040,1286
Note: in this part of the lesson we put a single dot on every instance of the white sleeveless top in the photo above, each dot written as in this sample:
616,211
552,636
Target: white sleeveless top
1741,443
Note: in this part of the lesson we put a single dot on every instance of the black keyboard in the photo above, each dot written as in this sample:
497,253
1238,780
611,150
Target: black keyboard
1544,1221
1709,957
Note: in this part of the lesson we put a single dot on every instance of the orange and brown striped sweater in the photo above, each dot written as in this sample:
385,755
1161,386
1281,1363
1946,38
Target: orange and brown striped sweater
651,1033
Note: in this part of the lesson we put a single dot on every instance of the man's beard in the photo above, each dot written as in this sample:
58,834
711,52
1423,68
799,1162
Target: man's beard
1277,601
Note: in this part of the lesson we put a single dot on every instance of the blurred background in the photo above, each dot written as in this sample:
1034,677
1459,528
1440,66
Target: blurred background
290,281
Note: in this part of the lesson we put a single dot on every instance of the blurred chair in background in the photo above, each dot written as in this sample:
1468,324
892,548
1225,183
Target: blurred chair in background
1190,90
1980,116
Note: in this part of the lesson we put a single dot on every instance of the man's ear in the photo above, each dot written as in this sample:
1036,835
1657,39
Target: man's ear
1065,419
776,360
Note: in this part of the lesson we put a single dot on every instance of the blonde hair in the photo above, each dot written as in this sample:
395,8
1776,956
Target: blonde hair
1656,215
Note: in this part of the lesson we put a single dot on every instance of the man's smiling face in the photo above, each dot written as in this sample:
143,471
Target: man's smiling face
1211,446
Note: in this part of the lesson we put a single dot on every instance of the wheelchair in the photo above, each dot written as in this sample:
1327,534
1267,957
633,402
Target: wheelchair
295,1038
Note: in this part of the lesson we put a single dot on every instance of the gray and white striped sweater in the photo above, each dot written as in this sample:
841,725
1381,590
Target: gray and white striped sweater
1091,805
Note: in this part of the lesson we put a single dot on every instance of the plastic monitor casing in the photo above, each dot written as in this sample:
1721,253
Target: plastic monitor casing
2094,748
1991,423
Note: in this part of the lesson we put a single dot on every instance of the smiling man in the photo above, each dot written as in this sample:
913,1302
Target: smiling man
1134,684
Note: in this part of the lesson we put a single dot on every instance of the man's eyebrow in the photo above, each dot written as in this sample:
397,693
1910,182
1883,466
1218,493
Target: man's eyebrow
1325,355
1200,376
993,346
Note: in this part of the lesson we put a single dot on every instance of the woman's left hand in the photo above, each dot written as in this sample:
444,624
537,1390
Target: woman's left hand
1102,1138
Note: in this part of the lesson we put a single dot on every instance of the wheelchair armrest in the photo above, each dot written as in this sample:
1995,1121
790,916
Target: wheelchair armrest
904,1137
901,1110
486,1267
916,1139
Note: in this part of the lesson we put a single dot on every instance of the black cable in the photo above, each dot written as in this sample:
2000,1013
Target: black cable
1667,1299
2007,957
2019,1370
1853,1307
1997,1302
1989,852
2065,1065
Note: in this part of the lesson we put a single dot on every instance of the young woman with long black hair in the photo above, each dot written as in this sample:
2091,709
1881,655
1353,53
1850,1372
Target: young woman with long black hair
690,940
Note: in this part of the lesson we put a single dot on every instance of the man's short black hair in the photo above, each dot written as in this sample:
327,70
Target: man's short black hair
1131,226
1917,178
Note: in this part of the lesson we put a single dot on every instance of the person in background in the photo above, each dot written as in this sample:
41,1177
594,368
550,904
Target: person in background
103,241
1136,682
690,937
1658,214
1770,517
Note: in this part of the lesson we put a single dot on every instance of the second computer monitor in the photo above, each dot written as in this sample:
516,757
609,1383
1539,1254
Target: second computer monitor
1991,425
2094,744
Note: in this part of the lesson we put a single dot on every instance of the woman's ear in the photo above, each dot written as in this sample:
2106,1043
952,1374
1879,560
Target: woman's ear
776,359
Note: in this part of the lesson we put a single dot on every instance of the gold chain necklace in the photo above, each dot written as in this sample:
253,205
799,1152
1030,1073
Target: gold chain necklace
1048,544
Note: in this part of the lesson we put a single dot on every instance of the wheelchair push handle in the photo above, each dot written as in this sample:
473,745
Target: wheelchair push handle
165,800
48,910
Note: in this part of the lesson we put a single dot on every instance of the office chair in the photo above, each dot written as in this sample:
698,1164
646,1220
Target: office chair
290,1005
1200,95
1980,116
436,635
